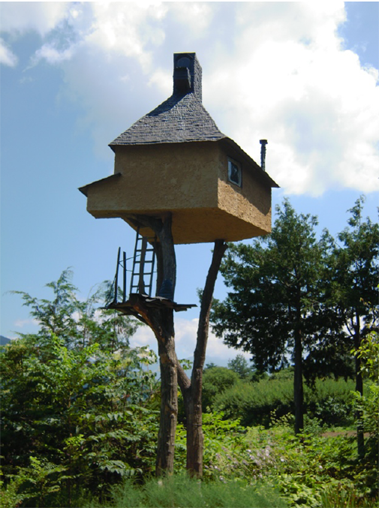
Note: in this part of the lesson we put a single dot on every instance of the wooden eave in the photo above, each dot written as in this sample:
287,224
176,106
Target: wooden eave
84,189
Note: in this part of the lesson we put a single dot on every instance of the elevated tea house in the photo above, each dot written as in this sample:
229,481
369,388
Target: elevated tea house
175,160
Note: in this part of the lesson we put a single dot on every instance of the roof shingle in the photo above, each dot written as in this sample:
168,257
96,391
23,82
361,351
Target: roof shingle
179,119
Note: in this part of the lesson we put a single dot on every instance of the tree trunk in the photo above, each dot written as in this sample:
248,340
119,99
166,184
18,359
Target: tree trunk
359,388
195,435
169,398
192,389
298,382
161,321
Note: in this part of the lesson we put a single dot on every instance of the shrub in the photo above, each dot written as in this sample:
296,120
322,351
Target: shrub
254,403
330,401
215,381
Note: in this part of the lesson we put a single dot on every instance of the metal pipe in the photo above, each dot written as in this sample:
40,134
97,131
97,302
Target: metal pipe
124,279
263,143
116,276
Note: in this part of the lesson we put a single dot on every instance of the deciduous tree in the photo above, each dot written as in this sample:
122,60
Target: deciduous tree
77,402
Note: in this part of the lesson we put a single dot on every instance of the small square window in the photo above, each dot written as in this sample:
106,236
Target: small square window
234,172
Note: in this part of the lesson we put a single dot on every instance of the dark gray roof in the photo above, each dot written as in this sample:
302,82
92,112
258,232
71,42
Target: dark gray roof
179,119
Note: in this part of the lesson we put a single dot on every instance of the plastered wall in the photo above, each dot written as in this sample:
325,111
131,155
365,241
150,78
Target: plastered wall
190,180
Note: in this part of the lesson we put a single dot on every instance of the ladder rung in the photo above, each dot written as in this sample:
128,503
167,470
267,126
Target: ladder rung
143,264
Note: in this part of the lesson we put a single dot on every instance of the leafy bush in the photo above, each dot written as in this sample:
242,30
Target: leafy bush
215,381
367,404
77,408
330,401
83,411
255,403
308,469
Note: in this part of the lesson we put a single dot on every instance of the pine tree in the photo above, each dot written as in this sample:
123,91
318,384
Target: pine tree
274,309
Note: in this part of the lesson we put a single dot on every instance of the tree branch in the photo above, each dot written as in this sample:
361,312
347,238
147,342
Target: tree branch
205,309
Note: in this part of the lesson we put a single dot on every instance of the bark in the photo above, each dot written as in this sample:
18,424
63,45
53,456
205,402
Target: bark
359,388
161,321
192,389
298,387
169,397
298,375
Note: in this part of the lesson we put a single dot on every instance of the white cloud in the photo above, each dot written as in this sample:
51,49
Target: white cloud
185,342
197,15
297,87
6,56
53,55
270,70
21,323
42,17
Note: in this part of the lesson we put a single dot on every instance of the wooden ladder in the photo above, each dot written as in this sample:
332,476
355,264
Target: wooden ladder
143,265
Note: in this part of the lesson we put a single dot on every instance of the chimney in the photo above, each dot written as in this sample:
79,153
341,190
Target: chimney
263,143
187,74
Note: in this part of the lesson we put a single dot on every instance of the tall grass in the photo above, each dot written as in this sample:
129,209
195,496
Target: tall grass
345,497
180,491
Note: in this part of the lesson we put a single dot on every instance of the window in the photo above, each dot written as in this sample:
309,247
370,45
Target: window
234,172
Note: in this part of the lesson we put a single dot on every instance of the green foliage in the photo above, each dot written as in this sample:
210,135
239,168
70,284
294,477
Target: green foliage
254,403
276,308
79,323
344,496
10,496
215,381
181,491
240,365
353,274
355,271
294,298
367,404
84,411
303,467
76,414
276,293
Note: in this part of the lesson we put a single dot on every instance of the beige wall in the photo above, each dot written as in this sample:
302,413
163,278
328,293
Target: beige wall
252,201
168,177
190,181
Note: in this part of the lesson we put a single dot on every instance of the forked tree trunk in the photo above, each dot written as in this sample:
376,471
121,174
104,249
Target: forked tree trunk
161,321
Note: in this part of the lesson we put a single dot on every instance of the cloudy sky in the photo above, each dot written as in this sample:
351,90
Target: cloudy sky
303,75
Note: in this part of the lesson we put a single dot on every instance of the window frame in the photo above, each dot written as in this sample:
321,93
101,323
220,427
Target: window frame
238,165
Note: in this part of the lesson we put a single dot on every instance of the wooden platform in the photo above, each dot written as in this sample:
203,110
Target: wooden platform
156,302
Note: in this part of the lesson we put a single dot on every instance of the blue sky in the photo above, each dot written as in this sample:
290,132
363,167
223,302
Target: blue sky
73,76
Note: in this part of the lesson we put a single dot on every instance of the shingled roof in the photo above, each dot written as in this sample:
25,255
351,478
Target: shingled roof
181,118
